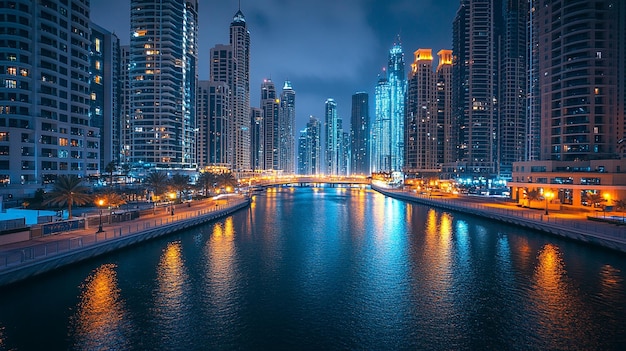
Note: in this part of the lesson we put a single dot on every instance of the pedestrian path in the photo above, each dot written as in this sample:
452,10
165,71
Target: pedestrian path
26,252
570,224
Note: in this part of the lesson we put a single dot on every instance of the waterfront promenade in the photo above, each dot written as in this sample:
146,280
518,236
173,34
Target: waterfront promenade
28,258
571,224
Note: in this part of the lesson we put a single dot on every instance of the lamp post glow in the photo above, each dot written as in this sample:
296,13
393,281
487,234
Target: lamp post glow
172,197
548,196
100,204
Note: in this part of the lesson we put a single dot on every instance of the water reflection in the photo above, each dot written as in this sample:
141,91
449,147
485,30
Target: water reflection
611,284
172,296
559,308
220,255
101,319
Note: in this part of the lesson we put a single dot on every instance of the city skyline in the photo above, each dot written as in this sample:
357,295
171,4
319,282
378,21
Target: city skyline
363,32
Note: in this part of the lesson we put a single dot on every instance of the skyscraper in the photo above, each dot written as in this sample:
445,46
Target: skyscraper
105,93
447,130
421,117
309,149
240,90
332,136
579,79
380,144
397,92
163,99
513,85
360,134
212,124
287,117
388,127
475,71
45,128
270,105
256,138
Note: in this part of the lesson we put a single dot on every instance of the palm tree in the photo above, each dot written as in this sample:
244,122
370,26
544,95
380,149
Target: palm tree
157,182
206,181
110,168
595,199
180,184
68,189
532,195
112,200
226,180
621,205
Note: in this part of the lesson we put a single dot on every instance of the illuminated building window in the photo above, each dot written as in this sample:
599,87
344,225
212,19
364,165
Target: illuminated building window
63,142
98,65
93,96
97,79
12,71
98,44
10,83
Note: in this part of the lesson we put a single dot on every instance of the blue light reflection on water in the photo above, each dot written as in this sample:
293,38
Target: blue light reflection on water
330,269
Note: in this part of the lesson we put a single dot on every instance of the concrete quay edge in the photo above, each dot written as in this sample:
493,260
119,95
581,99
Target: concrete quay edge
588,236
40,266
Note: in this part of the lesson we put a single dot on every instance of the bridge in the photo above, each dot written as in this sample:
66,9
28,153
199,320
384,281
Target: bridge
306,180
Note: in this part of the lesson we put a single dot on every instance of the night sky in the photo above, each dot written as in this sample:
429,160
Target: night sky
326,48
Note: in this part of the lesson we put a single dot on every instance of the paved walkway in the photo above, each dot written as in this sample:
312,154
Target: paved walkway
23,251
566,222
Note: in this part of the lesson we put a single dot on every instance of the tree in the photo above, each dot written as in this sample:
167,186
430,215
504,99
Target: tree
532,195
621,205
157,182
595,199
206,181
110,168
112,200
68,190
225,180
180,184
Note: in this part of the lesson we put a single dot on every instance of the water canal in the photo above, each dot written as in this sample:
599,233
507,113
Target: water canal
324,269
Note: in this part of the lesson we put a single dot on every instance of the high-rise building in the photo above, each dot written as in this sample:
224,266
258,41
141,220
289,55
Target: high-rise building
256,138
421,153
105,110
125,94
302,158
447,130
287,124
513,84
380,143
360,134
213,108
240,90
332,137
579,78
270,104
163,80
45,129
388,127
309,148
344,151
397,92
476,30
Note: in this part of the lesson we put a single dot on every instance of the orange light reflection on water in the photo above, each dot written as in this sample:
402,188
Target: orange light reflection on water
101,317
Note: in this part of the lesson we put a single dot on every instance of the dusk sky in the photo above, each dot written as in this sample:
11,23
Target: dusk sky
326,48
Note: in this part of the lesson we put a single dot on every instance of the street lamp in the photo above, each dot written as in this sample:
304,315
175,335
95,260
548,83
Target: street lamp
172,197
100,204
548,196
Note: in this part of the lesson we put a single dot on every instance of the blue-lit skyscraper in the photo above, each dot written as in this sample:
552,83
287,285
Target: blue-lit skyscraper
380,140
287,125
388,126
331,125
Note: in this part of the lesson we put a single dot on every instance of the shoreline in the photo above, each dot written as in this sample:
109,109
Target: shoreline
32,258
567,226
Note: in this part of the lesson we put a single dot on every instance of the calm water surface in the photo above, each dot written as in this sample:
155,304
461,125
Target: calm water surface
326,269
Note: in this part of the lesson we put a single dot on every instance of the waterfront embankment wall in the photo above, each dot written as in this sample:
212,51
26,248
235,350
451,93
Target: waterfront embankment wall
79,250
601,234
